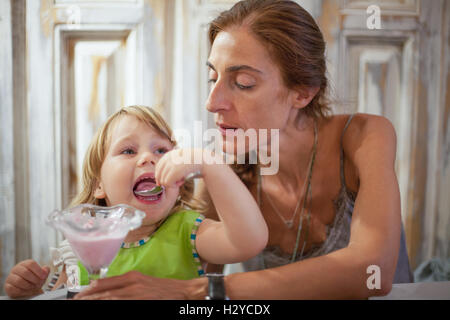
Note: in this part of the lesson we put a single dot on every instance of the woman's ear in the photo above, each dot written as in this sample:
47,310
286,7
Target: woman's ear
304,95
99,192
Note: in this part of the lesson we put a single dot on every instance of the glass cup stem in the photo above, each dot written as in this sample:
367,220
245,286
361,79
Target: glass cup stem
98,274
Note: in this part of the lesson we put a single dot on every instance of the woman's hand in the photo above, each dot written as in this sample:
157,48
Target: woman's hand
136,286
26,279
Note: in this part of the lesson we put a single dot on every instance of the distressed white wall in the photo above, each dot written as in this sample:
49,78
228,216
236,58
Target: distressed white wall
7,204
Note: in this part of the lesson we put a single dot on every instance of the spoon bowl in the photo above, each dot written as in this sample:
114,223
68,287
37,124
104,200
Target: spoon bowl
159,189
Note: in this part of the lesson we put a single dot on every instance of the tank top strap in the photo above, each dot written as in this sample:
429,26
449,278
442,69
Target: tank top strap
344,186
258,188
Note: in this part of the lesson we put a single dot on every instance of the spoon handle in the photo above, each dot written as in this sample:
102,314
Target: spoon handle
193,175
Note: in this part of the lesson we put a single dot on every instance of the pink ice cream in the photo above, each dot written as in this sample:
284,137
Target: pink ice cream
95,252
98,244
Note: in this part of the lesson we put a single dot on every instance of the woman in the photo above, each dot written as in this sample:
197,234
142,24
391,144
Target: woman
333,208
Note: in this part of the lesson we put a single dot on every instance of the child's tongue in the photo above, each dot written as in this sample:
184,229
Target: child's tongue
145,185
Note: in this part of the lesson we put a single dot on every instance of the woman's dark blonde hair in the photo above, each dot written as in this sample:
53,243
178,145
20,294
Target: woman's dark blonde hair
98,148
294,42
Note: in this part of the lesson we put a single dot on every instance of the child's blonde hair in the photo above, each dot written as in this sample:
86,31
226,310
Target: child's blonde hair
96,153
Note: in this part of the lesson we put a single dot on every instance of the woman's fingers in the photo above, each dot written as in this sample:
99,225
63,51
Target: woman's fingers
114,294
108,284
134,285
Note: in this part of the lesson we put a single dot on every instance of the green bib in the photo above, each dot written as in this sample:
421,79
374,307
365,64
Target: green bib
169,253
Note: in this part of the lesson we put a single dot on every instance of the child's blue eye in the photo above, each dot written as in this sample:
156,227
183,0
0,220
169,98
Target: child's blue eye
161,150
128,151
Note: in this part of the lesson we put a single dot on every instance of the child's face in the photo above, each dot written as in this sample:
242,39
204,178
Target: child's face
132,154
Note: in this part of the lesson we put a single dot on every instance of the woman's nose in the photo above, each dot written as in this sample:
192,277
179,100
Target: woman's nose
218,99
147,158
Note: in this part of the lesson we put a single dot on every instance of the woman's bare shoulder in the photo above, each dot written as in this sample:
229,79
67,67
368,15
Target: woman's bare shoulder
364,126
360,123
369,133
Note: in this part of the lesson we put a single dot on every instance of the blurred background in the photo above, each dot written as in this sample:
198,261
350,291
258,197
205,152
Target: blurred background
65,65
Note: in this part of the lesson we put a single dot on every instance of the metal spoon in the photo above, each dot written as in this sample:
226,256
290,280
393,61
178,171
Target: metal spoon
158,189
154,191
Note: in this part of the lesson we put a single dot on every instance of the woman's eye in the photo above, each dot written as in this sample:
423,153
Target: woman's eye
211,84
244,81
242,87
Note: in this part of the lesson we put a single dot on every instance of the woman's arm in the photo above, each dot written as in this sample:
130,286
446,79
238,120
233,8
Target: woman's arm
375,232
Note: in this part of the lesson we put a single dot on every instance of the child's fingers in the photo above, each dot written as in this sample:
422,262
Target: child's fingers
175,176
34,267
20,283
172,168
18,292
15,292
179,183
28,275
161,167
165,166
46,270
12,291
159,171
26,279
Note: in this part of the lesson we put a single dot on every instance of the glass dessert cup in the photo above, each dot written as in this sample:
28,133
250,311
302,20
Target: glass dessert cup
96,233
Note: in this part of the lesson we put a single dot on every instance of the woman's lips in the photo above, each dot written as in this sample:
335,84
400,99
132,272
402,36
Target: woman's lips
226,130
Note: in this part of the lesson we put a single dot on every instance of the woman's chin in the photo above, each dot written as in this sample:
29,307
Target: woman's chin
237,151
233,149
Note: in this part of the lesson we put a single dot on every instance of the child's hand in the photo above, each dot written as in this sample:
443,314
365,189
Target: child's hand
26,279
176,164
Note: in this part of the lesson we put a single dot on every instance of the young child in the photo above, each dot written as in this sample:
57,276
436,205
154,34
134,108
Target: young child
134,151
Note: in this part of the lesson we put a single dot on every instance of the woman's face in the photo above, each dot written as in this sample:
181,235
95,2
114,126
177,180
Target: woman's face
133,151
246,87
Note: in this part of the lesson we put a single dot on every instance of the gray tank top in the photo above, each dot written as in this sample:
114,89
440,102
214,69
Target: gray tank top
338,232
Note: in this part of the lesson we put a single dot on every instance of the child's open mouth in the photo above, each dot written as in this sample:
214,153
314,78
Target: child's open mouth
142,190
